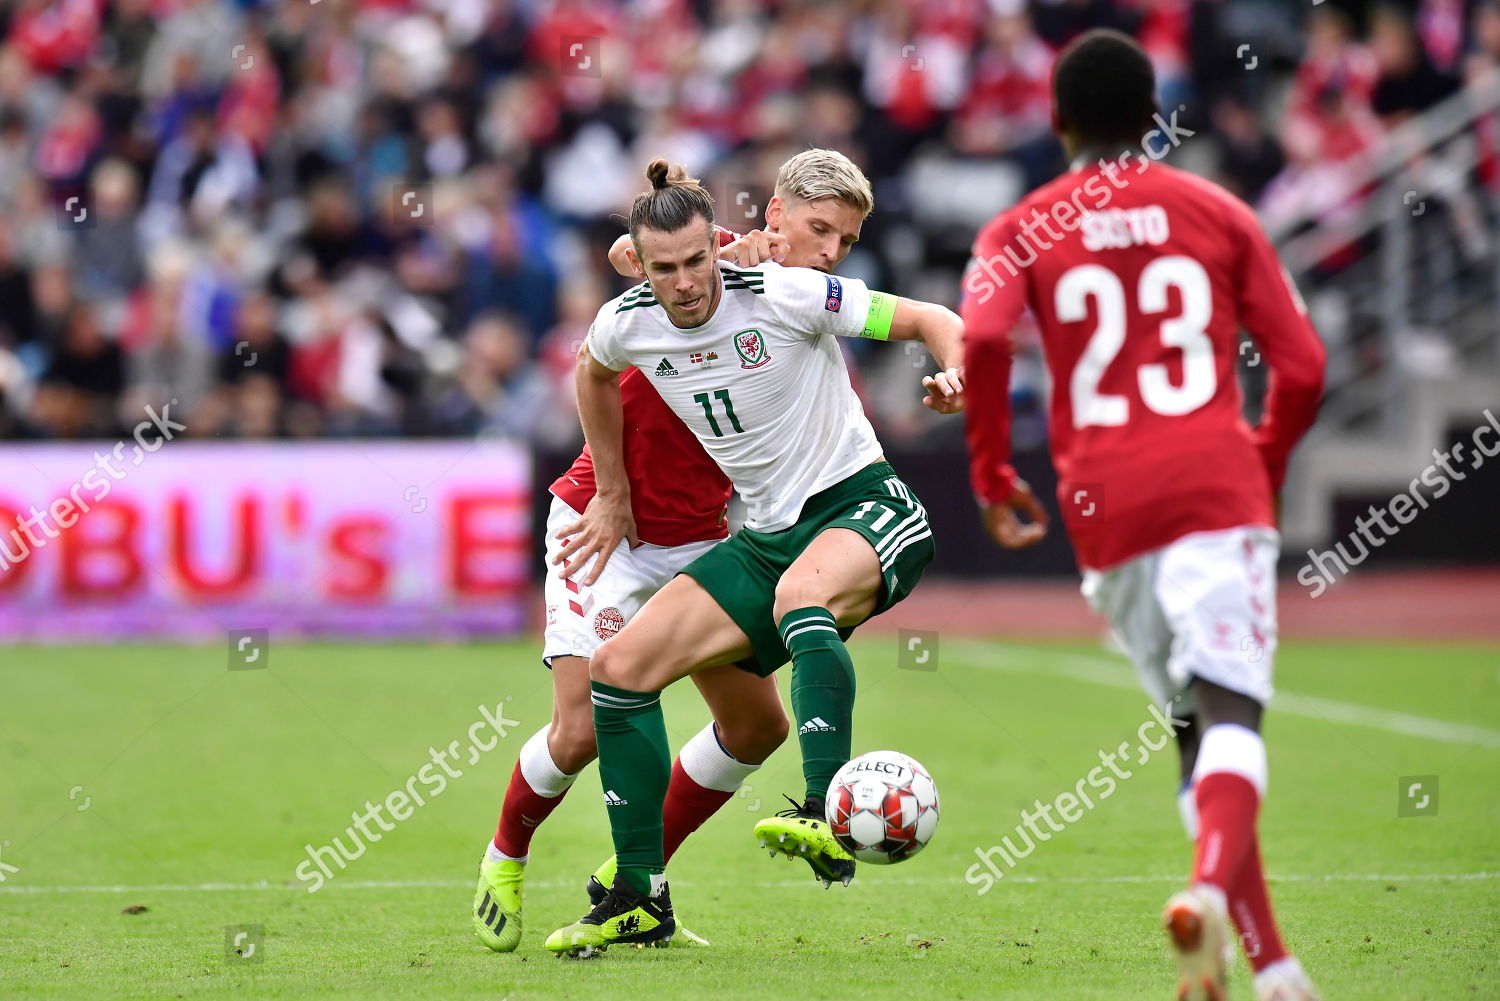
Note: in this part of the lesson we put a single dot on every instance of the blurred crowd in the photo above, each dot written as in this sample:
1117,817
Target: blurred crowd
383,217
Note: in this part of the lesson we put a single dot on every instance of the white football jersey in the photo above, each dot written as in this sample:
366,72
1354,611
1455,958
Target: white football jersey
762,383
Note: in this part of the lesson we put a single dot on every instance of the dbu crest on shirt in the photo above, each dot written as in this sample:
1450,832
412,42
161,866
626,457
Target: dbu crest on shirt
750,345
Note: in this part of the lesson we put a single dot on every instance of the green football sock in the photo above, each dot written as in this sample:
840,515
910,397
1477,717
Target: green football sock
635,765
822,694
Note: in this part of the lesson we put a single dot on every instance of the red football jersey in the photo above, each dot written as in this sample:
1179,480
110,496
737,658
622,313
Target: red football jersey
1139,282
677,493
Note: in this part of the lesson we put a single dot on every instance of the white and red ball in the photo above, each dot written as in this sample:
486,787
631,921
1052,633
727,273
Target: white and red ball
883,807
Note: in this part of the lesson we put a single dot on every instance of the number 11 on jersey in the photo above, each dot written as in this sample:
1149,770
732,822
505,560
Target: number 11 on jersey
708,411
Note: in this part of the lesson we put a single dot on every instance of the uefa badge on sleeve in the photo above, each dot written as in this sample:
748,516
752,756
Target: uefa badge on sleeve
835,294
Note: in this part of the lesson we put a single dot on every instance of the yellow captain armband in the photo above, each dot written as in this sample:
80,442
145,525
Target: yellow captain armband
882,312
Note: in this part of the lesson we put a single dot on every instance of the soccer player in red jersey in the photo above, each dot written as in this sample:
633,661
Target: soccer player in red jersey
678,499
1139,277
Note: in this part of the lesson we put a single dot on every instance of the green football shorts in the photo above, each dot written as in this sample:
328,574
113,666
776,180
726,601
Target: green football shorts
741,574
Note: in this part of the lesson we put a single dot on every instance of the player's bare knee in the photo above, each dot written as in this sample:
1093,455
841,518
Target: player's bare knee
754,739
1217,704
615,664
774,731
606,665
572,744
794,591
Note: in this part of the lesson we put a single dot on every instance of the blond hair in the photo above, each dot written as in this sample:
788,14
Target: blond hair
816,174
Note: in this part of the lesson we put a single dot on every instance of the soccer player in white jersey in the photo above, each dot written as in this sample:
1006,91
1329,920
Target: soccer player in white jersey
678,497
746,358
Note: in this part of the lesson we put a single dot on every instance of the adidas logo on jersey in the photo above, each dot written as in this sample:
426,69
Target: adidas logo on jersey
612,799
816,725
665,369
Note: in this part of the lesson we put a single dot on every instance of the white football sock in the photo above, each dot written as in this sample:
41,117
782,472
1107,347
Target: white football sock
538,768
541,773
1229,747
493,854
709,764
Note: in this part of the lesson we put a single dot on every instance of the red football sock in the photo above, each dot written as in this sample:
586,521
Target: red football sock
1250,906
1227,804
522,813
687,806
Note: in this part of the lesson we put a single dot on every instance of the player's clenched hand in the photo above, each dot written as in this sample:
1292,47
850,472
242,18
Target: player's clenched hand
945,391
595,535
756,247
1004,523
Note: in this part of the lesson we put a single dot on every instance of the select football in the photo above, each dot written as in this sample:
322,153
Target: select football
883,807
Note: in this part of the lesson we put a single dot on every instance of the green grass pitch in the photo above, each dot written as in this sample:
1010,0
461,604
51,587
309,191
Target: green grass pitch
150,799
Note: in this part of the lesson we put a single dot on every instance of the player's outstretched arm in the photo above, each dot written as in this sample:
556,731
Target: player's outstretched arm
1272,311
941,330
815,303
1011,512
607,519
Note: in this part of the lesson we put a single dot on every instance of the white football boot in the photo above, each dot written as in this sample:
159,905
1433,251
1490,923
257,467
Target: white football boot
1197,925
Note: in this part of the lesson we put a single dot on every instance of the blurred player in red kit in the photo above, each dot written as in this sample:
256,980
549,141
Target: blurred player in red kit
1140,277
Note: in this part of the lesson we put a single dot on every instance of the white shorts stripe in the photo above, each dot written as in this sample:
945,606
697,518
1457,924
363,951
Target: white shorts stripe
890,538
883,551
915,538
911,528
904,491
892,543
919,531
